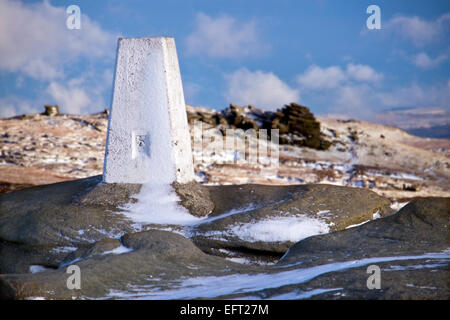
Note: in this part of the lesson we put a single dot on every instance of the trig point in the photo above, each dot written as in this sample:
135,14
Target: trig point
148,135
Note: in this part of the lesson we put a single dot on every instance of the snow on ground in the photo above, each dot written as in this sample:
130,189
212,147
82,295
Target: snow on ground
119,250
299,295
280,229
38,268
249,284
64,249
157,203
247,208
357,225
398,205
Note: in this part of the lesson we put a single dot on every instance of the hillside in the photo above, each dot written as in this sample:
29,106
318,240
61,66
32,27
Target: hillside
40,149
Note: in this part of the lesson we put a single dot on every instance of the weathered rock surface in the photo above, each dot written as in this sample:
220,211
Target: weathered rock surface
45,223
164,265
52,220
420,227
98,248
158,259
36,224
195,198
296,124
246,205
61,214
62,217
413,279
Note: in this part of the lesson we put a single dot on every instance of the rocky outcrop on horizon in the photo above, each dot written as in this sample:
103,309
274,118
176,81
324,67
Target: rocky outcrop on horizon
296,124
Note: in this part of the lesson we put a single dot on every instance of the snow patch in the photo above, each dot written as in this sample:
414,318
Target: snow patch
119,250
157,203
276,229
376,215
38,268
298,295
357,225
64,249
398,205
249,284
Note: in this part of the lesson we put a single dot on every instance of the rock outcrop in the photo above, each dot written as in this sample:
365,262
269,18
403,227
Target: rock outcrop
410,247
420,227
156,258
242,210
46,223
296,124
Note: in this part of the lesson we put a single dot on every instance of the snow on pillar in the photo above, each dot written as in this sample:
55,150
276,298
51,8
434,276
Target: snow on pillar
148,135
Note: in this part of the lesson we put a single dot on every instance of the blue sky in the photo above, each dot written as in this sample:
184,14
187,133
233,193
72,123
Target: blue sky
266,53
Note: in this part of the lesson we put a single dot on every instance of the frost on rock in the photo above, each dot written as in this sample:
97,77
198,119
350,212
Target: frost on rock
280,229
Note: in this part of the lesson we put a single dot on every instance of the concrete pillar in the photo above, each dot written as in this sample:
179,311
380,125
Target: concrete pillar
148,135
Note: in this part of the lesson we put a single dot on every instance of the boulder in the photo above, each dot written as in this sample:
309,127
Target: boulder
98,248
62,214
194,197
18,258
409,247
422,226
296,124
156,260
262,219
42,225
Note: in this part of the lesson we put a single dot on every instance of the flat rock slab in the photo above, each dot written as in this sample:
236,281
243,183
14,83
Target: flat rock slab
156,258
164,265
265,218
37,225
420,227
43,225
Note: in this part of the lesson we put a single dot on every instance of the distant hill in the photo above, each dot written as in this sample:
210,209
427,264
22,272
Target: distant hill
426,122
439,132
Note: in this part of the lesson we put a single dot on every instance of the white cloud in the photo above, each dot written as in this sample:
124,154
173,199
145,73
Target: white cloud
261,89
362,72
84,94
357,91
73,99
81,95
422,60
366,102
354,100
316,77
419,31
12,105
416,95
36,42
224,37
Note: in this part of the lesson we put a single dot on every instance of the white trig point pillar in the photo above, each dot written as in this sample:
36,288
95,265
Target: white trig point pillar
148,135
